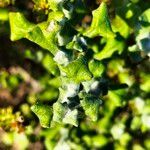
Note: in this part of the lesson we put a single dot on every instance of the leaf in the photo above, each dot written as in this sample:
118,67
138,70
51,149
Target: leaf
3,14
71,117
50,65
77,70
96,68
55,15
91,105
119,25
96,87
48,94
145,17
19,26
78,43
100,24
54,4
145,84
111,46
99,140
55,82
66,33
62,58
42,34
59,111
44,113
63,114
68,90
72,89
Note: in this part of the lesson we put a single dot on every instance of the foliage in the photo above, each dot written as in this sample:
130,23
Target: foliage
82,67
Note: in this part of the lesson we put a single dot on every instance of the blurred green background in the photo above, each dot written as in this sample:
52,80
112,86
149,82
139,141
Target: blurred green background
26,76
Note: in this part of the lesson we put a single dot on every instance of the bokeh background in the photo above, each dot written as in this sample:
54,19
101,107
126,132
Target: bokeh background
25,77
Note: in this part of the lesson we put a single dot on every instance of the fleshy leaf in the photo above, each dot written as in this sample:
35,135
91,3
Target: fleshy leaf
119,25
100,24
56,15
96,67
111,46
91,105
44,113
62,58
68,90
54,4
78,43
42,34
59,111
19,26
71,117
145,17
50,64
66,33
77,70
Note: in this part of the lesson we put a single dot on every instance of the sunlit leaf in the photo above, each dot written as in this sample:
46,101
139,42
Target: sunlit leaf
44,113
100,24
111,46
77,70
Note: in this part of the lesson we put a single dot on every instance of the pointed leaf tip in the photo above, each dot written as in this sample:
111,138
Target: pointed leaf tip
44,113
100,25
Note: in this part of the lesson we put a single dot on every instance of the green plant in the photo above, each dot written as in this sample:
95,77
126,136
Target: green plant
78,62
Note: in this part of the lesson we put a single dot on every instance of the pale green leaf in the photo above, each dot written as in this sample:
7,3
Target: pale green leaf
111,46
42,34
55,15
96,68
59,111
77,70
119,25
145,17
19,25
44,113
50,65
71,117
55,4
91,106
100,24
68,90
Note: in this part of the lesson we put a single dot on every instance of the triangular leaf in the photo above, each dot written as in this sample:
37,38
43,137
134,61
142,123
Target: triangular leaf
111,46
19,26
42,34
100,24
44,113
54,4
59,111
77,70
91,105
71,117
119,25
96,67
